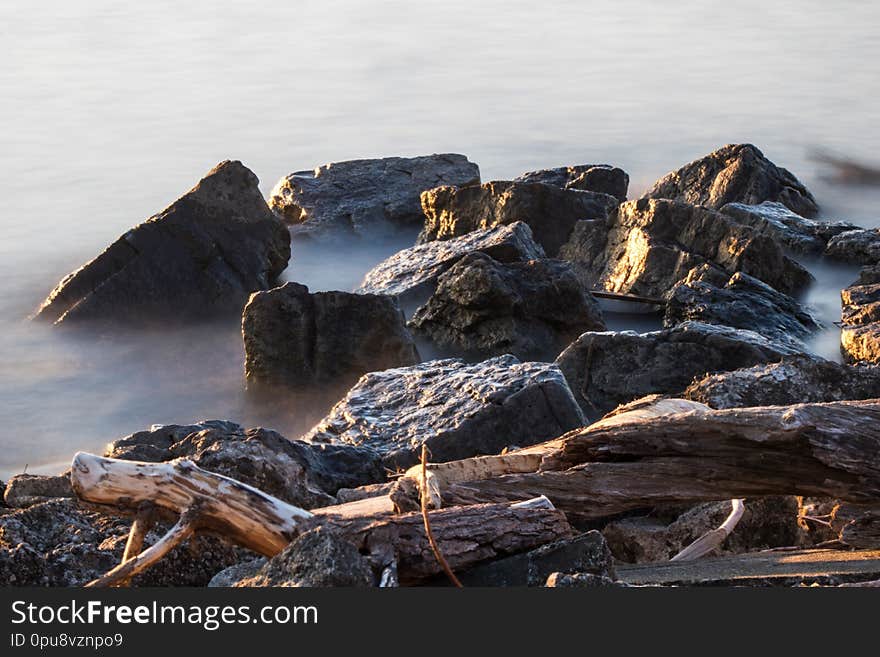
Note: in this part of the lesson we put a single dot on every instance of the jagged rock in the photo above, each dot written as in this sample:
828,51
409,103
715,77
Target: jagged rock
294,338
456,409
796,233
24,489
860,316
602,178
652,244
550,211
580,580
610,368
869,275
793,380
413,272
743,302
364,197
860,247
230,576
201,256
736,173
291,470
528,309
320,557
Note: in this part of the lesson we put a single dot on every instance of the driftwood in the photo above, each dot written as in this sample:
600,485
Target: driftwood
713,539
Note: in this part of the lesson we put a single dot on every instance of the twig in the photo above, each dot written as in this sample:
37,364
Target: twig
423,495
712,539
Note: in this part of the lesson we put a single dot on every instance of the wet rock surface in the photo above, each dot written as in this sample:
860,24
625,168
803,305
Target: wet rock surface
24,489
366,197
860,318
455,408
293,338
602,178
551,212
531,309
735,173
609,368
861,247
201,256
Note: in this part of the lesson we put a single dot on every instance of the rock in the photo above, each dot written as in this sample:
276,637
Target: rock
457,409
869,275
736,173
602,178
345,495
580,580
413,272
586,553
794,232
528,309
611,368
741,302
793,380
228,577
366,196
652,244
293,338
551,212
860,317
860,247
320,557
24,489
201,256
299,473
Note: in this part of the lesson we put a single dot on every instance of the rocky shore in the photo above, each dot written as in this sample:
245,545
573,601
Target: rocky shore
557,452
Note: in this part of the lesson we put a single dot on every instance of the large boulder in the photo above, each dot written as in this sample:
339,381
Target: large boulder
293,338
457,409
550,211
201,256
528,309
364,197
413,272
652,244
860,318
861,247
602,178
610,368
736,173
741,301
793,380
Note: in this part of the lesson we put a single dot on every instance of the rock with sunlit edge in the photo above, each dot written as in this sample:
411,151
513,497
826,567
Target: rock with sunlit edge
603,178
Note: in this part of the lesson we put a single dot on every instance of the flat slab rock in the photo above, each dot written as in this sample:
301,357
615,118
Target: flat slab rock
294,338
457,409
606,369
25,489
413,272
202,255
528,309
363,197
860,317
735,173
551,212
860,247
602,178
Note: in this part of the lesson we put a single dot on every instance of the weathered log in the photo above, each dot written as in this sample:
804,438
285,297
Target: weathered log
713,539
859,525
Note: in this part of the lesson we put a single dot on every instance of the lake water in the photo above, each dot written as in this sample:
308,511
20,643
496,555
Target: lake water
112,110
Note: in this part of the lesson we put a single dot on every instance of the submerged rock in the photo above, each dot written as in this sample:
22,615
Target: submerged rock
736,173
457,409
607,369
201,256
413,272
551,212
294,338
860,316
364,197
861,247
528,309
25,489
602,178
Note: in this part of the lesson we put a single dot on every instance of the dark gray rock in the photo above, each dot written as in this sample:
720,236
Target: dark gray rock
581,581
366,197
413,272
201,256
602,178
861,247
860,318
793,380
551,212
869,275
607,369
456,409
294,338
528,309
25,489
229,577
736,173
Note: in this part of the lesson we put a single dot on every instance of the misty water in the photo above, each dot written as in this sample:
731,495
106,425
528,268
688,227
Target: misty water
112,110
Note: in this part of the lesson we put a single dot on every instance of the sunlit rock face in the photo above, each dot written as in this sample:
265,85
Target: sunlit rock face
860,316
365,197
528,309
602,178
856,246
551,212
201,256
457,409
610,368
736,173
